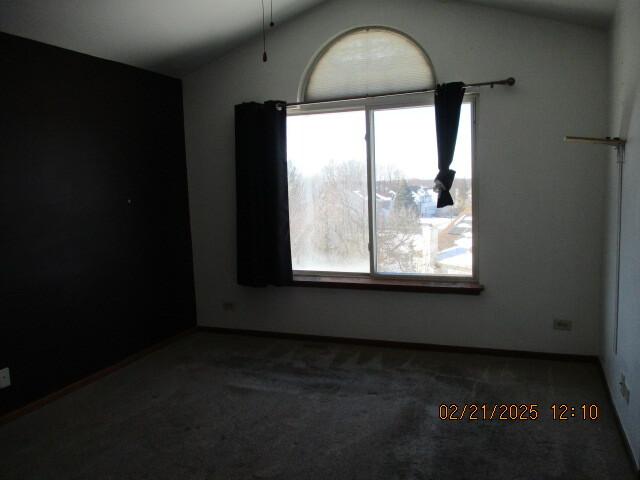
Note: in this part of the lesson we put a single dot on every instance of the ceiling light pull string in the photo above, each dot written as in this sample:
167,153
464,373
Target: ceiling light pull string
271,24
264,36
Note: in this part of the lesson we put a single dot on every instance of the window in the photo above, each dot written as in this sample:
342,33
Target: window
328,200
368,61
361,171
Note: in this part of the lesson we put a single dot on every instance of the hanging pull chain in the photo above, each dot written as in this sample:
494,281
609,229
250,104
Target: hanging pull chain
264,29
264,37
271,24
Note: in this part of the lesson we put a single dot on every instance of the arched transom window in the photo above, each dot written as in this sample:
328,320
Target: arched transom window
368,61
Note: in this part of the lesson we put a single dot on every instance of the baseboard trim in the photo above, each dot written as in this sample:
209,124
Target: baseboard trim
625,439
405,345
72,387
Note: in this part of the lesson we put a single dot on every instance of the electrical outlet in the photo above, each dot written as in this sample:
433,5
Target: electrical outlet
624,389
5,378
228,306
562,324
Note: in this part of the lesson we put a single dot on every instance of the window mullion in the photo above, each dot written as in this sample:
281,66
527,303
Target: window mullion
371,189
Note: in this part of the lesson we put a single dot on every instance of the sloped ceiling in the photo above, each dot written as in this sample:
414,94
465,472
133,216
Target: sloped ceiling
597,13
178,36
166,36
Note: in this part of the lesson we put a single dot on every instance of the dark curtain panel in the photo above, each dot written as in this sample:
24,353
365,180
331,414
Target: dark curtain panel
448,102
264,249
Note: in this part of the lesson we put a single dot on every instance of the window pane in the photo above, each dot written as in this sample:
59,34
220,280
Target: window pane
413,236
327,161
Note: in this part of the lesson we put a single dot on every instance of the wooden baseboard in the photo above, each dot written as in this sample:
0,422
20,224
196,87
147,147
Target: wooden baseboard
407,345
41,402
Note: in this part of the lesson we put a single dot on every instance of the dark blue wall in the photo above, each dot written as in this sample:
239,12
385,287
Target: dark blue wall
95,248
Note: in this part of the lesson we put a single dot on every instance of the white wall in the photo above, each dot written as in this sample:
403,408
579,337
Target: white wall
625,123
541,201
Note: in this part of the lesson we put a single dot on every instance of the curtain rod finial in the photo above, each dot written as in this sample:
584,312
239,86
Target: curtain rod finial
511,81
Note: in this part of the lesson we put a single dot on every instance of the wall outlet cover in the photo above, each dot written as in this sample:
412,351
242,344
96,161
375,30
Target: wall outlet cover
562,324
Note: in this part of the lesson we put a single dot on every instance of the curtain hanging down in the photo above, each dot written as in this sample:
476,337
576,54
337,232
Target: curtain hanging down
263,243
448,102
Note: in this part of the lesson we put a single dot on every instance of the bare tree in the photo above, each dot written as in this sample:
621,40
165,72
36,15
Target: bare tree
397,229
297,207
340,211
329,217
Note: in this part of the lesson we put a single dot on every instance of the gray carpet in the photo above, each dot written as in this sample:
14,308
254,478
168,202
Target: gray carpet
229,407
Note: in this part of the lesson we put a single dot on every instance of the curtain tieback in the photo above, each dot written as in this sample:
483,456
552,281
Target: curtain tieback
444,181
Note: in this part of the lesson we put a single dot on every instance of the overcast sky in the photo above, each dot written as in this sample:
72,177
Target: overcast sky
405,140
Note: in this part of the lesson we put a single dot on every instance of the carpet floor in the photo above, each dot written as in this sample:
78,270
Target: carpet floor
217,406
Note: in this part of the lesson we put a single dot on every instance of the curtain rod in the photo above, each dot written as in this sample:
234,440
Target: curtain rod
507,81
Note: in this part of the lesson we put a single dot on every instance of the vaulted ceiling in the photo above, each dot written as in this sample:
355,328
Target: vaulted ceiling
587,12
168,36
176,36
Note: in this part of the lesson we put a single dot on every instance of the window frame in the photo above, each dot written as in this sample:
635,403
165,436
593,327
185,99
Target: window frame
369,105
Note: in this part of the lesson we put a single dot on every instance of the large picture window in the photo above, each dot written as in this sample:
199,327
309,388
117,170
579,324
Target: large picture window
362,158
361,195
